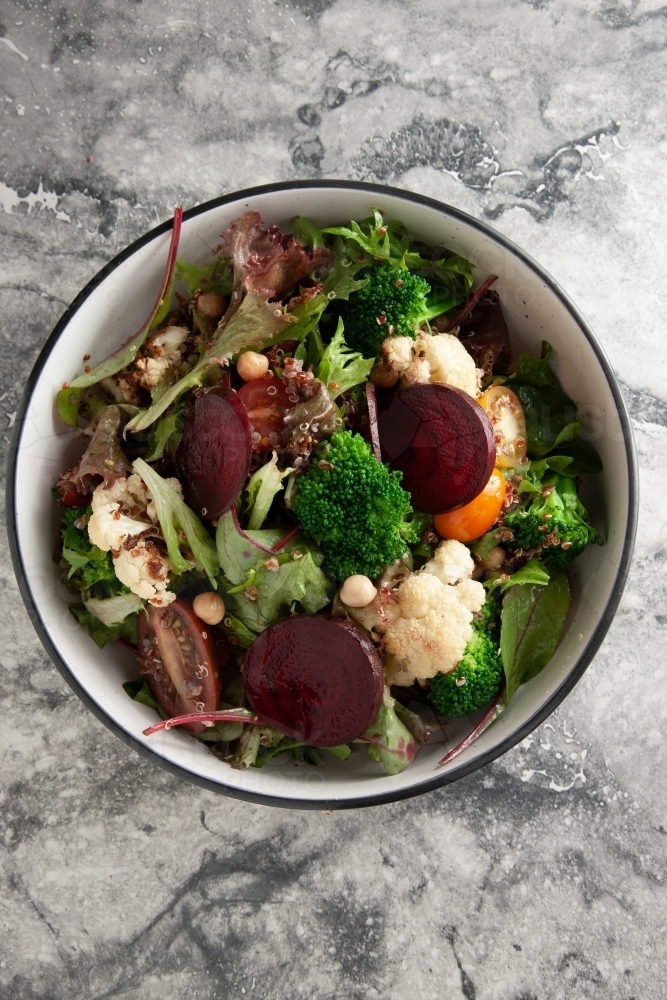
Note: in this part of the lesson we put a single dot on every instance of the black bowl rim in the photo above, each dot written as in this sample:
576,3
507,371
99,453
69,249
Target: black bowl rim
439,779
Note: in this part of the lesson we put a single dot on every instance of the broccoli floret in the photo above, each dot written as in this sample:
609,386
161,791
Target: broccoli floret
554,520
393,302
355,507
479,675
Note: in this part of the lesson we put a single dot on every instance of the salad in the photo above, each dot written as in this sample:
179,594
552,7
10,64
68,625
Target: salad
320,499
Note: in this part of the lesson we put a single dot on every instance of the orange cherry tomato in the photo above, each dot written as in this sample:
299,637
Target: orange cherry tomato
477,517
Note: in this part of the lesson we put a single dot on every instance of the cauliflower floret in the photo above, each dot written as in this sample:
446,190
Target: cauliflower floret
449,361
418,373
161,352
436,605
396,353
151,371
143,569
451,562
437,357
138,563
471,593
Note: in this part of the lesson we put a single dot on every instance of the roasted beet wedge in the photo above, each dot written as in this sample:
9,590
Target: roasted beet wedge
442,441
213,457
316,679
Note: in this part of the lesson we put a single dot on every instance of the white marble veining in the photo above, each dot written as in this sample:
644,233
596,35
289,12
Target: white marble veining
542,876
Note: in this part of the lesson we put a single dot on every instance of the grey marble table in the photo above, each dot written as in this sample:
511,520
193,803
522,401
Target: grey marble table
542,876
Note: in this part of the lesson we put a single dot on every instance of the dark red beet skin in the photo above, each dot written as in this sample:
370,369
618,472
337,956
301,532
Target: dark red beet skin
213,457
316,679
442,441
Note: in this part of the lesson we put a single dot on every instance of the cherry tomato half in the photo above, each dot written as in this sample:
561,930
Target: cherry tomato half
477,517
267,402
505,412
178,658
71,498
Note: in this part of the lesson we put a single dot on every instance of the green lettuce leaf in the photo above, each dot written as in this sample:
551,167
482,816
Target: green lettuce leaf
215,277
174,514
89,567
256,324
341,368
307,234
238,551
261,490
380,240
282,584
103,634
166,433
114,610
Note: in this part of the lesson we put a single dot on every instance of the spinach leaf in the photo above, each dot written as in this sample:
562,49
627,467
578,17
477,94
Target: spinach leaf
535,371
551,416
140,691
581,460
531,625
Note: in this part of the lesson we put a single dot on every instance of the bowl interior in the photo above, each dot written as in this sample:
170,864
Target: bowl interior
116,307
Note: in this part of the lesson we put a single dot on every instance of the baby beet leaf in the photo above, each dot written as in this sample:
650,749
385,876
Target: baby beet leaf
392,743
531,624
533,573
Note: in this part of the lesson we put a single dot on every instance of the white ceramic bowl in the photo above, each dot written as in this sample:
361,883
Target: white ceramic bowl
113,305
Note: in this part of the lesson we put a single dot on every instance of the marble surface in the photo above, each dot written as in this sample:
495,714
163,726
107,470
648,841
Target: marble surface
541,876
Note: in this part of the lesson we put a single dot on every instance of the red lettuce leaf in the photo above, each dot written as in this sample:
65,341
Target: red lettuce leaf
267,260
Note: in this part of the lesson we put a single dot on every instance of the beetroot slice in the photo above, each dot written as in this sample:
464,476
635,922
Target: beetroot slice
442,441
213,457
318,680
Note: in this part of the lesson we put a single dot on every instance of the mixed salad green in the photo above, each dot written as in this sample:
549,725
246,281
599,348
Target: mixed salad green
320,499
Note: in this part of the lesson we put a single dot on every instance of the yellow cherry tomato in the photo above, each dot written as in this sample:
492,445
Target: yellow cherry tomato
505,412
477,517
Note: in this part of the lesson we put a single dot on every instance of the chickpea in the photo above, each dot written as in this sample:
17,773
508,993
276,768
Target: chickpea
496,558
211,305
357,591
210,607
382,376
251,365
